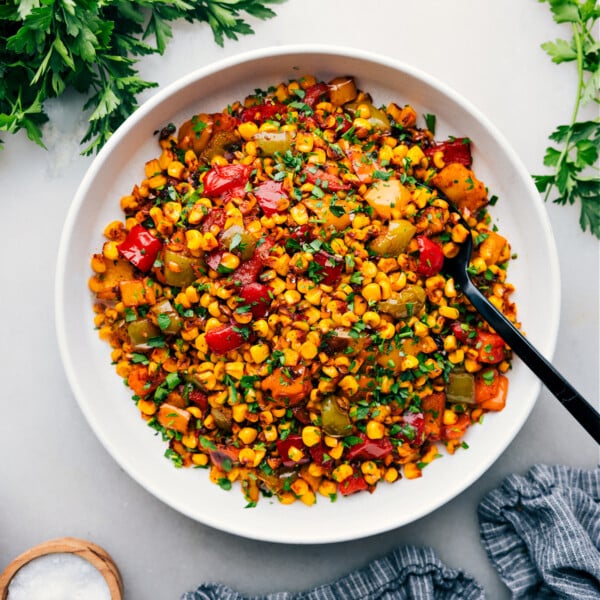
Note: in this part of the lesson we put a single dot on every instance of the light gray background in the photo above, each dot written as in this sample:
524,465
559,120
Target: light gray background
55,477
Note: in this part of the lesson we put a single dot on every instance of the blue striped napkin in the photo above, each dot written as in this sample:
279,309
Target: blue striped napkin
541,532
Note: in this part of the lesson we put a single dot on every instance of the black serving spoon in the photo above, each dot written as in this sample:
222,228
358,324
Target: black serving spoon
570,398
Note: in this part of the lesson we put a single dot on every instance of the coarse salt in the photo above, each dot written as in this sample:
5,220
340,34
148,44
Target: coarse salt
59,576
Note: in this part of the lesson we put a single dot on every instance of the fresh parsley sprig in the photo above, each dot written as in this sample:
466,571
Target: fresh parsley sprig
574,157
92,46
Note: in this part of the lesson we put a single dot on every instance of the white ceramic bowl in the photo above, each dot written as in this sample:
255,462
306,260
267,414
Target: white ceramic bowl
106,402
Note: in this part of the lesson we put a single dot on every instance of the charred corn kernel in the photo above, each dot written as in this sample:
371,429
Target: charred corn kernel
146,407
110,251
409,362
361,123
292,297
290,357
128,203
172,211
195,411
299,487
295,454
420,329
189,440
385,154
157,182
360,221
386,331
336,453
247,435
259,352
371,292
459,233
386,289
411,471
229,261
190,334
457,356
317,157
368,269
193,239
239,412
176,169
497,302
371,319
375,430
308,350
430,455
286,498
315,470
478,265
311,435
328,489
450,417
246,455
299,214
304,142
391,474
219,160
450,343
235,369
342,472
449,289
200,460
449,312
270,433
248,130
471,366
349,384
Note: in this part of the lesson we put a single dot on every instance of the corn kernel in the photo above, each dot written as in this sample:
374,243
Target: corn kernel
371,292
342,472
450,417
247,435
375,430
248,130
449,312
311,435
308,350
411,471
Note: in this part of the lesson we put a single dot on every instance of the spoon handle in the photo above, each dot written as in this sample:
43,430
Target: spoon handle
569,397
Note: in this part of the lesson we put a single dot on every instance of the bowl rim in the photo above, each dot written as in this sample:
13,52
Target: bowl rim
236,60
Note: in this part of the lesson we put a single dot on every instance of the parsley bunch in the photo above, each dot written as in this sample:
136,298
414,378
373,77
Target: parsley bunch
92,46
578,143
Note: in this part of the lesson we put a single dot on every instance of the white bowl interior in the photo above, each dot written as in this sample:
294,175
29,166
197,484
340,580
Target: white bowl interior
104,399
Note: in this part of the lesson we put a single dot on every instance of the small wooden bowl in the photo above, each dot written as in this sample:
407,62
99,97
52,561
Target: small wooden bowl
95,555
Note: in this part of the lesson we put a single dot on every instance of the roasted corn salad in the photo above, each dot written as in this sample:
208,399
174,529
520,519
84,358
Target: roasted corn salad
275,299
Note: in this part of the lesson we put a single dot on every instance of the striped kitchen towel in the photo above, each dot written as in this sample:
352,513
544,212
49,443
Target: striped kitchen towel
407,573
542,533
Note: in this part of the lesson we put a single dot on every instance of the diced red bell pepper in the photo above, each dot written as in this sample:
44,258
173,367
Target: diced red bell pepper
258,297
216,217
331,267
249,270
224,338
225,178
457,150
368,449
464,333
325,180
264,112
314,93
292,441
413,430
213,259
140,248
319,455
490,346
351,485
431,257
198,398
269,195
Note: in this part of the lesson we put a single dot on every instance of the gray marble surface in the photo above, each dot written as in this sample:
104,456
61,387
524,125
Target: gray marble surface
55,477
